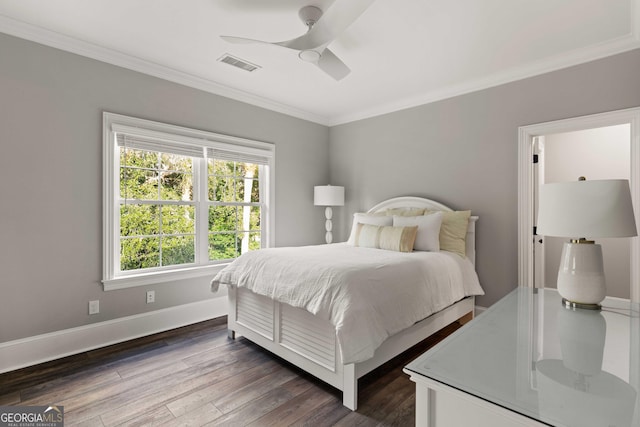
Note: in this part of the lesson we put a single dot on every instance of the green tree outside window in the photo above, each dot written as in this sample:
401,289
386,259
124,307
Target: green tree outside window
158,210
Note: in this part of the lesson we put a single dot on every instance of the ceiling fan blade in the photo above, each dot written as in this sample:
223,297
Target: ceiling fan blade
332,65
332,23
242,40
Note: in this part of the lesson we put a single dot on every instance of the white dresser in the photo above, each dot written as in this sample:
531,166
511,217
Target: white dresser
529,361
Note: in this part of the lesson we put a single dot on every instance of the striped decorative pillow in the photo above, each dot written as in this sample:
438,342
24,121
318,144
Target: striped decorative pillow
367,218
400,239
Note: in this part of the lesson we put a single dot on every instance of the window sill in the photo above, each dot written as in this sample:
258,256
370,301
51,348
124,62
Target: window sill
132,281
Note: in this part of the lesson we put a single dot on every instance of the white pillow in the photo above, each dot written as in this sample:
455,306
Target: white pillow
369,219
428,237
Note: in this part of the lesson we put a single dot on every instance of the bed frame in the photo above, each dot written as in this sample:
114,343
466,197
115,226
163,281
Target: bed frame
310,343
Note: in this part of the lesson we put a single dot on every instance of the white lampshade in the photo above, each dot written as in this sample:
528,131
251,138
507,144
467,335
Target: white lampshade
328,195
599,208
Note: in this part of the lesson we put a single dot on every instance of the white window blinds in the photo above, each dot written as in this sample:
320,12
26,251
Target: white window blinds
142,143
244,155
143,139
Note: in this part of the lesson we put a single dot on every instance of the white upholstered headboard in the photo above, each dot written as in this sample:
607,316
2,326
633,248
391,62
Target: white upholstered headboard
420,202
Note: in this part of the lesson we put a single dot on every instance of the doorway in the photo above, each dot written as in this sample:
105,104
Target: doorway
535,139
600,153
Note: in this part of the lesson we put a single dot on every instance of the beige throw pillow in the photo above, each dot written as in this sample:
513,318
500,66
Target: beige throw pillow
400,239
453,231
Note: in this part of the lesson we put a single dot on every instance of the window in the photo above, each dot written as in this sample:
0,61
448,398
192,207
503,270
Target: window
180,202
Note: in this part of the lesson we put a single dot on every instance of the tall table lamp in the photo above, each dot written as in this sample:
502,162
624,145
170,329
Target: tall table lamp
328,195
580,210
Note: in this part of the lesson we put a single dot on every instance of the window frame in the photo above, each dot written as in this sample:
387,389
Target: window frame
112,277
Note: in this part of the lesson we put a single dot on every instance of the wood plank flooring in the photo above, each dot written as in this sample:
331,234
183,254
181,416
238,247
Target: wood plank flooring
197,376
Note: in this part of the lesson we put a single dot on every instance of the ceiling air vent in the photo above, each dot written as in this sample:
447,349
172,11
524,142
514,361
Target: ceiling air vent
238,63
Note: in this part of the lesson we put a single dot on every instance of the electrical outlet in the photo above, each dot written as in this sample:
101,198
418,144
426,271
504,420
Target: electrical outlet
94,307
151,297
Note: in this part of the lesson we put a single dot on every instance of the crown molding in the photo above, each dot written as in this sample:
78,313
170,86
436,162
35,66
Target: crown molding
579,56
558,62
70,44
628,42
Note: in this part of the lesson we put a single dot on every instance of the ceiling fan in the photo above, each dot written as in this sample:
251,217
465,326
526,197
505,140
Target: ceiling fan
323,28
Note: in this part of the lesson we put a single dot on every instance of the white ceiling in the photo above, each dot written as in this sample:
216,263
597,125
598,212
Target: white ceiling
401,53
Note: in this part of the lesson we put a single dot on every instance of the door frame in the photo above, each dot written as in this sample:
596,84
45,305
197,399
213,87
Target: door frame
538,179
526,134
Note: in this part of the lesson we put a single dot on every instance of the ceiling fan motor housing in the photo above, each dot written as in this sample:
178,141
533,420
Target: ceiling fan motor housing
309,15
309,55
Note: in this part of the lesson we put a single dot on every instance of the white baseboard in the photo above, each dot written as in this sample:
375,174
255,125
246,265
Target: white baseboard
43,348
479,309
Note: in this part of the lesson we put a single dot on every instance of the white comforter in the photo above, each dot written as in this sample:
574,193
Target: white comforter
367,294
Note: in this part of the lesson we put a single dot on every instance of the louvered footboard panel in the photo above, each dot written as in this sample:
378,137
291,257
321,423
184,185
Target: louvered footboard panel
308,336
310,342
256,312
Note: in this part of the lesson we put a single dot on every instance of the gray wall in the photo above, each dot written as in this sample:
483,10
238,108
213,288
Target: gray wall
463,152
51,105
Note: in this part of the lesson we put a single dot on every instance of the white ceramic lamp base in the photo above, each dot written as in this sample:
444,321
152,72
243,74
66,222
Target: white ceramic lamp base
328,213
581,275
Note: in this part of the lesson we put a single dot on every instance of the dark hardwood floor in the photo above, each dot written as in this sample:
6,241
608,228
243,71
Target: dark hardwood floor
196,376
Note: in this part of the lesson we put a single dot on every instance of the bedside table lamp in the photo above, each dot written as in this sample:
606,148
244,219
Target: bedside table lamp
581,209
328,195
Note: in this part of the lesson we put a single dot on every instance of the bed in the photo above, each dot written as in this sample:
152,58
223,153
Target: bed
365,306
